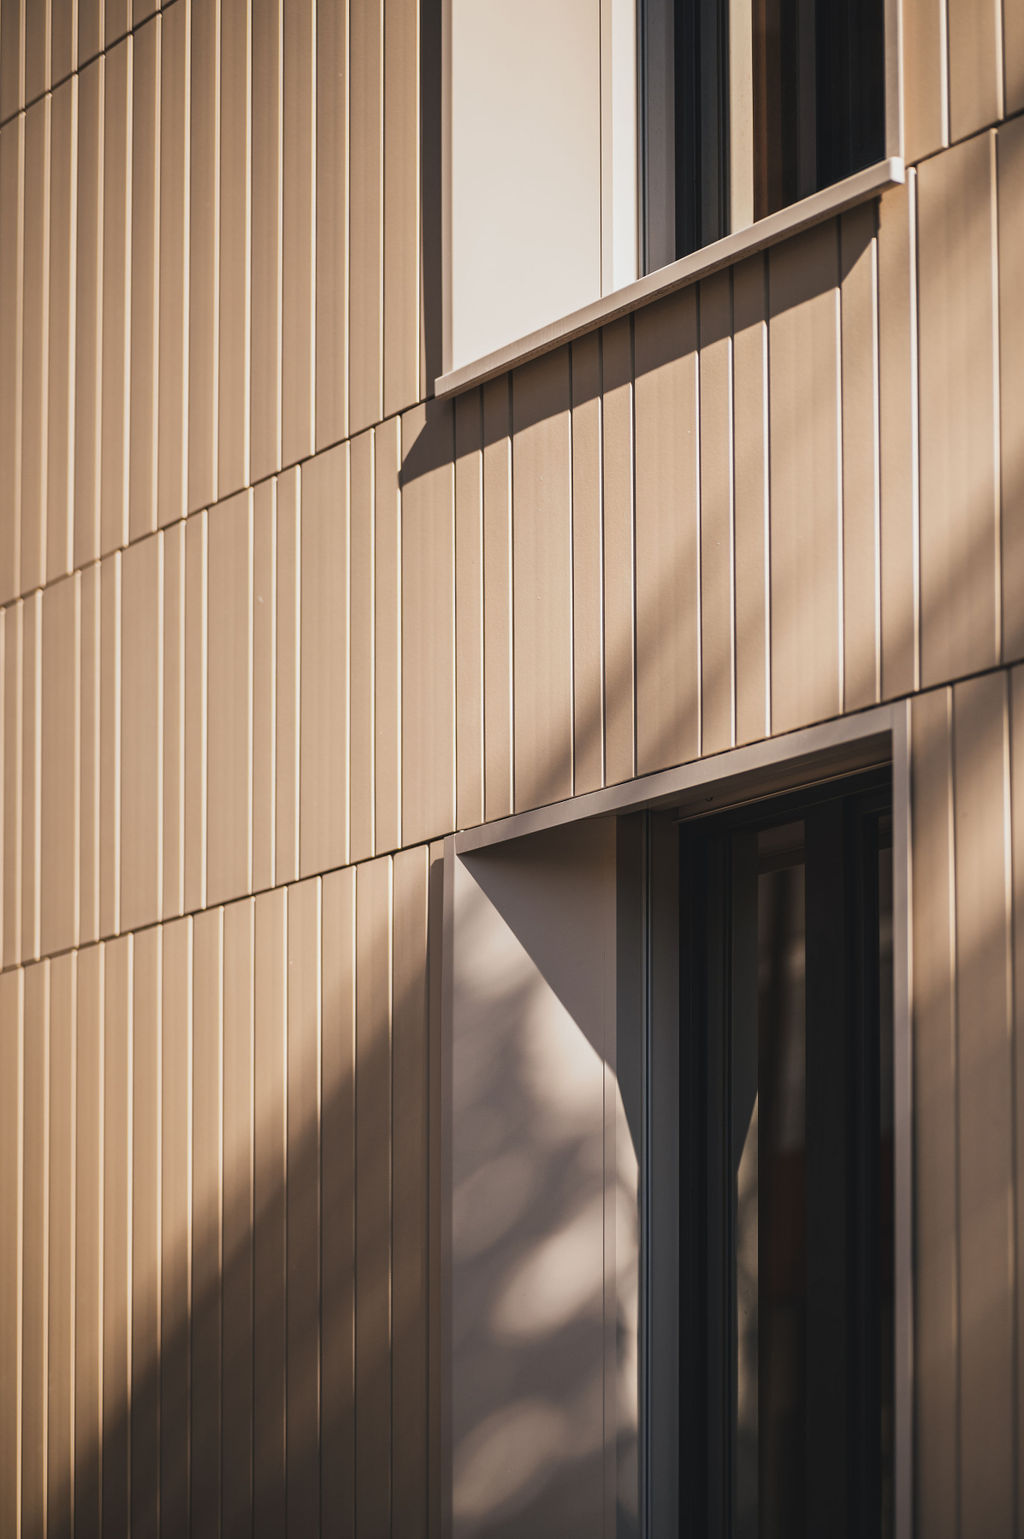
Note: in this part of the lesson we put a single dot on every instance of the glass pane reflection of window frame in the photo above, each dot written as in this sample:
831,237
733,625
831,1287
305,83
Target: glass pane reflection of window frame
786,1136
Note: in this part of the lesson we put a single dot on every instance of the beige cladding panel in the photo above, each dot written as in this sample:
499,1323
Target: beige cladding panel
117,1208
804,430
323,669
60,1258
667,534
975,65
1013,58
298,232
204,254
750,495
366,154
387,635
141,719
860,491
361,648
60,475
497,602
401,212
11,1114
89,758
428,623
238,1318
172,318
233,302
144,1401
205,1487
173,722
35,313
59,847
144,281
959,510
1010,165
31,773
469,599
88,1325
717,556
116,341
34,1238
925,77
587,570
264,680
542,581
898,465
175,1220
89,313
265,336
332,222
12,138
229,787
288,679
617,460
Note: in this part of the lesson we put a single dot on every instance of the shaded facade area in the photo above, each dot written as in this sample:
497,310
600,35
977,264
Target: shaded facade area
276,621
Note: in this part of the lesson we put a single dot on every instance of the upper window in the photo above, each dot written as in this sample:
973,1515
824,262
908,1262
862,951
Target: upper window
593,141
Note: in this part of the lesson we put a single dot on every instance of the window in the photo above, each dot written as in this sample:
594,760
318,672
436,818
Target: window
591,142
786,1153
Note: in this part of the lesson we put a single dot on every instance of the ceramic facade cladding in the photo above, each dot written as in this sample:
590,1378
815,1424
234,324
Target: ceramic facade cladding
271,621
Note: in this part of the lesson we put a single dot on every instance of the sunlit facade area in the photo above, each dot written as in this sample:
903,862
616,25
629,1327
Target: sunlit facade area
512,769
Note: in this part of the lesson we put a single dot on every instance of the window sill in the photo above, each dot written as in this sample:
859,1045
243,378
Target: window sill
723,253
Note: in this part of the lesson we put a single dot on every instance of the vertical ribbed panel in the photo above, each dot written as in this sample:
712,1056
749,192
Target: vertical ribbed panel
203,252
587,573
859,323
366,133
60,1318
497,602
400,228
61,739
288,682
229,787
146,1235
803,340
115,328
11,1114
141,720
34,1241
387,635
1010,164
717,562
175,1222
332,221
298,228
237,1361
117,1245
145,257
541,581
35,319
667,534
469,596
89,313
265,332
361,649
12,152
60,462
323,790
750,496
618,552
89,1147
233,299
207,1422
174,226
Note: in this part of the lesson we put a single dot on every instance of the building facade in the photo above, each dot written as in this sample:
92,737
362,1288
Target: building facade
278,618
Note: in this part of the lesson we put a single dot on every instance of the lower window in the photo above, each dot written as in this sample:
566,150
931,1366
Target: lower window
786,1167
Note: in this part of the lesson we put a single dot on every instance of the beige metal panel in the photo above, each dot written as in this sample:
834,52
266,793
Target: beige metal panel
541,582
338,1202
373,1196
298,235
12,172
287,683
986,1157
936,1304
37,48
110,747
323,681
366,148
117,16
88,1175
303,1207
332,132
898,463
146,1053
497,473
141,722
60,1326
237,1346
90,29
266,239
60,475
975,65
667,534
401,225
172,317
387,635
12,57
750,496
31,772
175,1222
35,345
1013,59
11,1113
89,758
145,296
207,1248
229,751
806,682
196,654
117,1216
469,598
1010,154
861,527
63,39
264,646
410,1216
117,232
361,639
436,1177
204,252
61,740
587,568
428,623
717,599
35,1234
269,1239
617,461
13,620
1017,901
925,77
89,313
233,308
173,723
959,481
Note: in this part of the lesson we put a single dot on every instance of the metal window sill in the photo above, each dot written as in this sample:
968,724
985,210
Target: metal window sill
699,264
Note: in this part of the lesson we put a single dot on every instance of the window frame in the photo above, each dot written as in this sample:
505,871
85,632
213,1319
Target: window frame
648,811
858,188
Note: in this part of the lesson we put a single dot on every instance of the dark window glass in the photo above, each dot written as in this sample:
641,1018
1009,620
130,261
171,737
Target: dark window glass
750,105
786,1099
